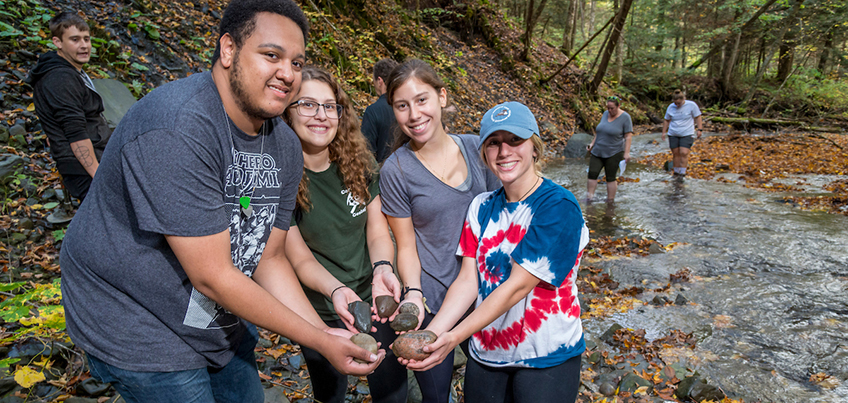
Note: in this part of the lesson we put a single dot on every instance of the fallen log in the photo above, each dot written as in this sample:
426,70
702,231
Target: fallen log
755,121
824,129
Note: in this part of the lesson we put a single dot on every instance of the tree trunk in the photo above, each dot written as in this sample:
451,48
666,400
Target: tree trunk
619,51
531,16
618,24
784,61
567,39
583,30
784,26
730,61
662,5
676,58
825,53
591,19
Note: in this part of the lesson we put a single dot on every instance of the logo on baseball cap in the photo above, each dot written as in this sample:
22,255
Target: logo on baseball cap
512,117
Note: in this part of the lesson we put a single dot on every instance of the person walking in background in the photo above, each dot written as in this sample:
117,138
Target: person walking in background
378,121
68,106
521,247
192,204
426,185
339,242
609,148
681,117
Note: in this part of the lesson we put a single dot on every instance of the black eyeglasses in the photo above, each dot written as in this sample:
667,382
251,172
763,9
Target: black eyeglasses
309,109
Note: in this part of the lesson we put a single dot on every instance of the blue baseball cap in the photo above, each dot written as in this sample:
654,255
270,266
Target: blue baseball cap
513,117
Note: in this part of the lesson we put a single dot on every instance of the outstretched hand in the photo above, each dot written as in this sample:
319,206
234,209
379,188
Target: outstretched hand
440,349
341,353
341,298
384,283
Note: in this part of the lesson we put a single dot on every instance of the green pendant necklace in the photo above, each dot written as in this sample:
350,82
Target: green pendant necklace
244,200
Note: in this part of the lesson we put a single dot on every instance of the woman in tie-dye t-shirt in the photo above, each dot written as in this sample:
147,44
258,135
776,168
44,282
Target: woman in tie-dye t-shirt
521,247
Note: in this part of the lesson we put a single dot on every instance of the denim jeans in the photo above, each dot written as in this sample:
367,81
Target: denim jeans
237,382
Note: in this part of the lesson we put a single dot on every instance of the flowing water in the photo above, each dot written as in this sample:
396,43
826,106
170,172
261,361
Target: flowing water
770,300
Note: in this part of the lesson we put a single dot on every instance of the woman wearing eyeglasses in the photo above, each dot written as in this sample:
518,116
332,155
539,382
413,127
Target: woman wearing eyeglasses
339,242
610,146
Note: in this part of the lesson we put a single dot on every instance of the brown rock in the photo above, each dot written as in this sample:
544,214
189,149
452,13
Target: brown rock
386,305
410,308
409,345
365,341
404,322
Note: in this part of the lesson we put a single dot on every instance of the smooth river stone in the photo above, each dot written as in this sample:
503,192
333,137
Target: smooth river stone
361,312
409,345
386,305
365,341
410,308
404,321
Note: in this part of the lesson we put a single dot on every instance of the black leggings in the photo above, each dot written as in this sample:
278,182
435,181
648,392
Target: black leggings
388,383
609,165
484,384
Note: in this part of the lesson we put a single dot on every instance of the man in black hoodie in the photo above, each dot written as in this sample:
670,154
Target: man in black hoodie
70,109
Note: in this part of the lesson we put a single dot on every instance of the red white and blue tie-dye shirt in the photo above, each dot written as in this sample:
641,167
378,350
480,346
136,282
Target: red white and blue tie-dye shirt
545,234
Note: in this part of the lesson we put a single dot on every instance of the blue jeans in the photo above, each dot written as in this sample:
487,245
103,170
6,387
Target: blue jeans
237,382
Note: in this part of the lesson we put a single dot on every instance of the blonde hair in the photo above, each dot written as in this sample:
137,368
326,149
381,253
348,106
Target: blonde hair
538,149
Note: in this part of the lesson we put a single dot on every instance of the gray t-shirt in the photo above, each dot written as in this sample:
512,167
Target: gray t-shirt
610,135
171,168
408,189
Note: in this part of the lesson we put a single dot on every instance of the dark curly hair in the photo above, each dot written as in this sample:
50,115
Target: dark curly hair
349,149
240,19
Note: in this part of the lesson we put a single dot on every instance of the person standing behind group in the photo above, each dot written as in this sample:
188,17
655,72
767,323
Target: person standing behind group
610,146
339,242
521,247
68,105
426,186
378,120
681,117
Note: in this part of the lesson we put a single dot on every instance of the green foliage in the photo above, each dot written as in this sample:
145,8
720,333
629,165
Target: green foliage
59,234
36,308
805,89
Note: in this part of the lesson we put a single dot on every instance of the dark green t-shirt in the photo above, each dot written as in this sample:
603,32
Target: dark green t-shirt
334,230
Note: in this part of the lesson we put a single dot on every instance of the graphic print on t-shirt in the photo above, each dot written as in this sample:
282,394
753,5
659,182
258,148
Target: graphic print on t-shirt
256,176
353,202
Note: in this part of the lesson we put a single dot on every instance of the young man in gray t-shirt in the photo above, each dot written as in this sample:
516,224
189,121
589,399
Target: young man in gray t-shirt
180,242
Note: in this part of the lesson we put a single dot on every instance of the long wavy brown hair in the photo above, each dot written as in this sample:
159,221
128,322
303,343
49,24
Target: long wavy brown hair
349,149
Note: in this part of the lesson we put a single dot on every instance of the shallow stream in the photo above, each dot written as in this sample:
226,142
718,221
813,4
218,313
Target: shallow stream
770,300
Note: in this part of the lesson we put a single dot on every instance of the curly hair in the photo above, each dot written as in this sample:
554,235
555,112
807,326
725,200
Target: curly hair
349,149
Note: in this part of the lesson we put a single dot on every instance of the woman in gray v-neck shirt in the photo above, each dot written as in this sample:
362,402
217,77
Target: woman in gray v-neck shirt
610,146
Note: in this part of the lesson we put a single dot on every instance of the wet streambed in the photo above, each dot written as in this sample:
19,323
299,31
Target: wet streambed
770,300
